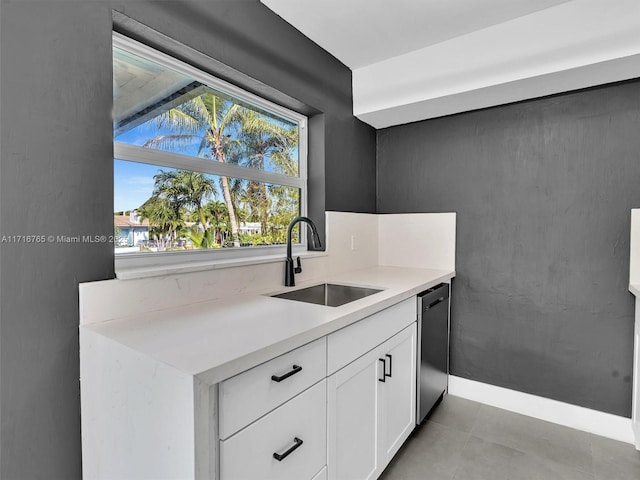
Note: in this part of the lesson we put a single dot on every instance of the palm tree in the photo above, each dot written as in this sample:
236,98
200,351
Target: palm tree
216,125
209,120
264,138
218,217
186,188
165,218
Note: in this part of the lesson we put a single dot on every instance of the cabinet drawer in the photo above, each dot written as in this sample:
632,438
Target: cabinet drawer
249,454
249,395
351,342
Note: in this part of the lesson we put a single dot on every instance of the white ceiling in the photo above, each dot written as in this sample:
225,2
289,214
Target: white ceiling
418,59
362,32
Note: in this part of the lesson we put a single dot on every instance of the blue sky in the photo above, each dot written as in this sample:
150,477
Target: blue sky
133,182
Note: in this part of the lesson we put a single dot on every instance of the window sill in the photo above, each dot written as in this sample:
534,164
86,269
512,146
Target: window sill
129,273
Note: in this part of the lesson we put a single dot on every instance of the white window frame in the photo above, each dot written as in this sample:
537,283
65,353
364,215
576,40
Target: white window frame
132,153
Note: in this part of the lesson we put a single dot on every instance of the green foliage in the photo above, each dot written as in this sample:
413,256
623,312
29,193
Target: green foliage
202,239
182,203
165,216
254,239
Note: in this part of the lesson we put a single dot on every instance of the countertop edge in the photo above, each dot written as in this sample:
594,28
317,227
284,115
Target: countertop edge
397,291
252,359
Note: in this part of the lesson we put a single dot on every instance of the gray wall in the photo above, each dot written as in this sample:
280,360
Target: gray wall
56,178
543,191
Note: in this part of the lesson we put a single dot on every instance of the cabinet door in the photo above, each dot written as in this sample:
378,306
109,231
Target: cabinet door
398,392
352,410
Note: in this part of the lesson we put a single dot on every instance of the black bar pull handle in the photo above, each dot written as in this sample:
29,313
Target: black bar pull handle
281,456
441,299
384,370
296,369
390,357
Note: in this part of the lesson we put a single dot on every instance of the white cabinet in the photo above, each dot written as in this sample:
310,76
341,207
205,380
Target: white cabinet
289,443
371,408
398,393
347,344
272,418
253,393
353,422
352,414
318,412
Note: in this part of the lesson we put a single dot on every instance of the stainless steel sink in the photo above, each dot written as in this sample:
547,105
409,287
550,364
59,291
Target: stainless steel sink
328,294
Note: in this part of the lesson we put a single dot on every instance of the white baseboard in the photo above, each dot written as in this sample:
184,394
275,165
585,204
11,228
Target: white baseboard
573,416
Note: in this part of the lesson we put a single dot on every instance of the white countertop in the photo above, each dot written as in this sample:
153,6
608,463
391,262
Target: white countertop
635,289
218,339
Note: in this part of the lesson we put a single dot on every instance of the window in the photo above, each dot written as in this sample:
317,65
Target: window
201,166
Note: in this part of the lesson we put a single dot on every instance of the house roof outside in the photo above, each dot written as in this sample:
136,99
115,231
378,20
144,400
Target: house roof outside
126,221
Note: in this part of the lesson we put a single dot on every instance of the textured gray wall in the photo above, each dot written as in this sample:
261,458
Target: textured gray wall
56,177
543,191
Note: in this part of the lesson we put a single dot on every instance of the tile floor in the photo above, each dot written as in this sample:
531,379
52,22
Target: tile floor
465,440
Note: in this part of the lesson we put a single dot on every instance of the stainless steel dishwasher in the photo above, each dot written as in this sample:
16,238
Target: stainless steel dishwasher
433,348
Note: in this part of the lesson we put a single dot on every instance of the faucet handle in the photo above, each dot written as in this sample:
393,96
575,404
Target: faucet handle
298,269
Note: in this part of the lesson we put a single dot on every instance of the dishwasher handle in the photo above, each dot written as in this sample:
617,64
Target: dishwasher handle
430,298
433,304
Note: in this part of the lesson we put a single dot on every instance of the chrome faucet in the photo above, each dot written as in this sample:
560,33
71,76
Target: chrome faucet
289,269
